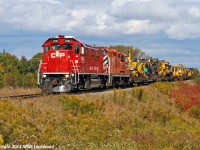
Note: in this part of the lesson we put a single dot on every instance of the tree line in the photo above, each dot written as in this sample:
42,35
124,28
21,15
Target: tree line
17,72
135,51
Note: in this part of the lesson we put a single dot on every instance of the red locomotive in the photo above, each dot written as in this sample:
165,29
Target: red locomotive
69,64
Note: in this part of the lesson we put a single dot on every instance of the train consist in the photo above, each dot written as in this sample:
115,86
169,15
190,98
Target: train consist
70,65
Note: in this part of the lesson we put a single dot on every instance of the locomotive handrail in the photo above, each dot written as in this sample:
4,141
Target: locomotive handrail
38,77
76,71
109,76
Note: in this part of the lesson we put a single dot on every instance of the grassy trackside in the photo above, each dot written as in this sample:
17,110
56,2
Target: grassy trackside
148,117
9,91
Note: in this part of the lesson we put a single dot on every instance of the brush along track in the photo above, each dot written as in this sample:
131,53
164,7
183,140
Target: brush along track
22,96
92,91
28,96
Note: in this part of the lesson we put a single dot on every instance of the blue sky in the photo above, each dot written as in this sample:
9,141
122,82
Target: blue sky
166,29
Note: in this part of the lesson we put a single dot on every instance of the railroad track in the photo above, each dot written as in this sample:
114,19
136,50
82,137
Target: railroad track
22,96
27,96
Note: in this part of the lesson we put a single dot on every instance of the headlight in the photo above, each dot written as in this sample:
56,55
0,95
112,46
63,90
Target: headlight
67,76
44,75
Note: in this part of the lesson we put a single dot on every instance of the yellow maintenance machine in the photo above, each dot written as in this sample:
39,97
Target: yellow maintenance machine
164,69
179,71
189,72
137,67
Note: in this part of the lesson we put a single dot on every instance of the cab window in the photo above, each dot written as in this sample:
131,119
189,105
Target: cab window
56,47
76,49
67,46
46,48
122,59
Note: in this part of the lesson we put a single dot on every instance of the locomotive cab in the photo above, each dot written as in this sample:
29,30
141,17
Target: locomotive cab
61,62
59,54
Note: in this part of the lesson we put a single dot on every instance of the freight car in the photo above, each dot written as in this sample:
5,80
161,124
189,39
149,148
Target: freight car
69,65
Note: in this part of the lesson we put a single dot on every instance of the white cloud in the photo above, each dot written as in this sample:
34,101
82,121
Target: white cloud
141,26
129,21
152,10
178,19
156,16
184,31
136,26
194,11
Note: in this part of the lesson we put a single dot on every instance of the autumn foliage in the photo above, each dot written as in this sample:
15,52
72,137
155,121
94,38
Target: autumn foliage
15,72
187,98
144,117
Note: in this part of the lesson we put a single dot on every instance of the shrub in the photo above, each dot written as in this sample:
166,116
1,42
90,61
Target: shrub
187,98
118,96
197,78
1,140
195,111
140,95
72,103
163,87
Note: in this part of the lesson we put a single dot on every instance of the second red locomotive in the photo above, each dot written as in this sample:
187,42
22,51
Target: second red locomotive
69,64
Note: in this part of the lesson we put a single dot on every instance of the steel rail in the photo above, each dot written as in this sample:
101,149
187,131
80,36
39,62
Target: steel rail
22,96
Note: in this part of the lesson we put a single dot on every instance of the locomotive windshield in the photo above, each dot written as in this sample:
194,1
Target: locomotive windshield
67,46
56,47
59,47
